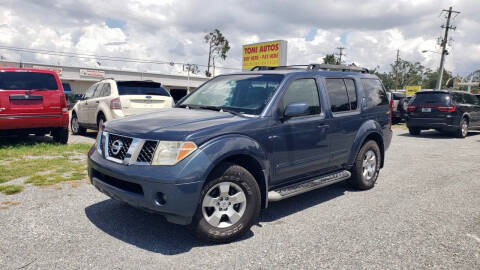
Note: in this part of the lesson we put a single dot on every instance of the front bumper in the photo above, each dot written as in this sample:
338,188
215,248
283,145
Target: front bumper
167,190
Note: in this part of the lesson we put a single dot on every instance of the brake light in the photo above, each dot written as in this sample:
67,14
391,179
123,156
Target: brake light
411,108
63,103
115,104
447,109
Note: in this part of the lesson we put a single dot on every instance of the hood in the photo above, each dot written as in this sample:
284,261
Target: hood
173,124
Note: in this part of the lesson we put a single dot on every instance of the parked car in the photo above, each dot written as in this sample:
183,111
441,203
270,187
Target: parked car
110,99
32,101
447,111
478,96
242,140
399,106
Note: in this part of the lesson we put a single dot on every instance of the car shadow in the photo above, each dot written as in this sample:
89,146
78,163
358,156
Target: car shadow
433,134
25,140
153,233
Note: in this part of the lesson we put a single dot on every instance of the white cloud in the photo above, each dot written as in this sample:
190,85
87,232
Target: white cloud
371,30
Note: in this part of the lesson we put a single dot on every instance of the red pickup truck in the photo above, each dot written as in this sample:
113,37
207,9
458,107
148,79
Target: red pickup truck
32,101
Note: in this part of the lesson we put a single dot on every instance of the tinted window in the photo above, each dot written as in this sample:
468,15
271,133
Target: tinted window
27,81
433,98
352,93
141,88
457,98
337,93
66,87
374,93
246,93
304,91
470,99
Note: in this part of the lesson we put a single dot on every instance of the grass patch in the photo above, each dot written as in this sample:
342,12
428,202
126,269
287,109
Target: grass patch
11,189
42,163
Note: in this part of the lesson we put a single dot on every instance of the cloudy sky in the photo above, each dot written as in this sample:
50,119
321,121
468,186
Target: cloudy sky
172,31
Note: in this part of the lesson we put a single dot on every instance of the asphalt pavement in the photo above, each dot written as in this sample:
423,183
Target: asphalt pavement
423,213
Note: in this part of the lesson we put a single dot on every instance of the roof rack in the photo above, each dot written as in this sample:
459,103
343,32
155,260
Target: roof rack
342,68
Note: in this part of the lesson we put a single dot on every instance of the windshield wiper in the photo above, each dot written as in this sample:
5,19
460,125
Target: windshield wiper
212,108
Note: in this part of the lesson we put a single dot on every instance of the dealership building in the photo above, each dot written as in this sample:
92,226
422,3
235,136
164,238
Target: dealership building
79,79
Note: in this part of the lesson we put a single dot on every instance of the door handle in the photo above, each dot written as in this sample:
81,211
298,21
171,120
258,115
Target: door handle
97,101
323,126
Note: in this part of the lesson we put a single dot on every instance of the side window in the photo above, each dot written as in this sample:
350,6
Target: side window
352,93
374,93
337,93
457,98
90,91
98,90
470,99
303,90
106,90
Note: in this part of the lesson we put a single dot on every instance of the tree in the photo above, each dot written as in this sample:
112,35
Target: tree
218,45
330,59
408,73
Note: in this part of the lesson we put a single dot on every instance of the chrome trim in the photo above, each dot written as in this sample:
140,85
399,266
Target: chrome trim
99,141
132,152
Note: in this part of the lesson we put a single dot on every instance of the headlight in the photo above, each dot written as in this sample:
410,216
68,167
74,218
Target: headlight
98,141
172,152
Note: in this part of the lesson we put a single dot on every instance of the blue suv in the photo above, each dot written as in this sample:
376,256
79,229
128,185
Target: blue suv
242,140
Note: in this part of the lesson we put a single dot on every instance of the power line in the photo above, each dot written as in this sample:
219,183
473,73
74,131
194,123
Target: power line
98,57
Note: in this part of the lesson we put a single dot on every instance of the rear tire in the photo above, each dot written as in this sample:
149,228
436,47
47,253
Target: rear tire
100,121
60,135
230,203
414,131
462,131
366,167
75,126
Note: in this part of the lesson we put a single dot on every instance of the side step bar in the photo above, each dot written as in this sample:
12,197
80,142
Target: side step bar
299,188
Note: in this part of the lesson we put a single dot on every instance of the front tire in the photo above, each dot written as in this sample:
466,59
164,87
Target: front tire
75,126
60,135
414,131
230,203
367,166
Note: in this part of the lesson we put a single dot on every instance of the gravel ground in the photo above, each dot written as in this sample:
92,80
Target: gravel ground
423,213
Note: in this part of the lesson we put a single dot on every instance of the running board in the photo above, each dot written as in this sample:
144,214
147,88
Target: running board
299,188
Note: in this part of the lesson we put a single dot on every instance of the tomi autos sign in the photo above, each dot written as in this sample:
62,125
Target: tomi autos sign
92,73
271,53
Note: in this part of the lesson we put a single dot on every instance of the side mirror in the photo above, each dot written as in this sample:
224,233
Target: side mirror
296,109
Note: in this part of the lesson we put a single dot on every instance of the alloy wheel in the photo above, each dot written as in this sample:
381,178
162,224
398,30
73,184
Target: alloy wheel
224,204
369,165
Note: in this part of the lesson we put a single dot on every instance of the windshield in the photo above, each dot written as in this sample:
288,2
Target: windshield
247,94
432,98
141,88
20,80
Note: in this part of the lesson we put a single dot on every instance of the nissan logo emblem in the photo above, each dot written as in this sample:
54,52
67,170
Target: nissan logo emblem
116,147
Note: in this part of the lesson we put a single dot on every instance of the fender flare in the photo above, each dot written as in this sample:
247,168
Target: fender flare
368,128
221,148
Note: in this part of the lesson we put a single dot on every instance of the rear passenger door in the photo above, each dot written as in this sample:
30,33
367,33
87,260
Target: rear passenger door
82,110
346,120
93,104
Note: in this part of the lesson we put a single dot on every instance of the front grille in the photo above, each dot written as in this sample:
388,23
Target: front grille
147,152
118,146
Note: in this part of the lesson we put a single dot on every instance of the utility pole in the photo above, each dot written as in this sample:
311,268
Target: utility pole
340,54
447,27
396,69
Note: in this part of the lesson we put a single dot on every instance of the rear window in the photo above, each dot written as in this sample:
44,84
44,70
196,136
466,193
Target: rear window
432,98
18,80
141,88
